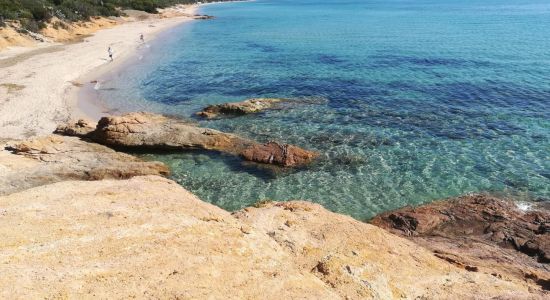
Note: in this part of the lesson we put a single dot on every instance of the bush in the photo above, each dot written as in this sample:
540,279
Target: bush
37,9
33,13
32,25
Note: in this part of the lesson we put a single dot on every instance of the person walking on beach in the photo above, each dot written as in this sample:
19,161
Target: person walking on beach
141,38
110,51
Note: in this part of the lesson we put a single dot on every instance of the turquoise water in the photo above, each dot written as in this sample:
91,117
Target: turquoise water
408,101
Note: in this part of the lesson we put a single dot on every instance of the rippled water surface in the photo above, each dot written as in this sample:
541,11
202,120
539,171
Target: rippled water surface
408,101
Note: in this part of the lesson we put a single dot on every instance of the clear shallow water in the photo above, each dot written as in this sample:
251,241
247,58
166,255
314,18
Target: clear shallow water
411,100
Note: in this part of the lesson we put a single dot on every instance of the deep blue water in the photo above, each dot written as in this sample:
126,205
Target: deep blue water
408,101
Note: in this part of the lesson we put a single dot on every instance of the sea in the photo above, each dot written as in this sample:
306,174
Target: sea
407,101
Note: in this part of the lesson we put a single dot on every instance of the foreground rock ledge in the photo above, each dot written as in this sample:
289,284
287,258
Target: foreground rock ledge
156,132
149,238
152,131
481,234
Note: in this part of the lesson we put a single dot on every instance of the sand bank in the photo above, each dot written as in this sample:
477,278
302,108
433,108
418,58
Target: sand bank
38,86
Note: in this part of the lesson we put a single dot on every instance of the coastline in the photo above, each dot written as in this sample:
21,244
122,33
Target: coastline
40,91
81,220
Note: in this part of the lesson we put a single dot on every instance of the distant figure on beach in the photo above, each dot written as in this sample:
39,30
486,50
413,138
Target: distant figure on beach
110,51
141,38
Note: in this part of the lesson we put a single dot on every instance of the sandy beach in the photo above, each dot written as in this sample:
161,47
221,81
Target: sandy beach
38,85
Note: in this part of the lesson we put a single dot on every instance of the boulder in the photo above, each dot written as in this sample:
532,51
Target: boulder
249,106
479,233
279,154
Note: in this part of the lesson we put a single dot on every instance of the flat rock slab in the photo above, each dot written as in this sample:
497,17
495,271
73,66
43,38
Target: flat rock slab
57,158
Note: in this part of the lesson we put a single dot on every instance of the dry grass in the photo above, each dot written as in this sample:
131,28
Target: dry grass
12,87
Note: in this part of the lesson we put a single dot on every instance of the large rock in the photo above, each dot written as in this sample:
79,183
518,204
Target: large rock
57,158
143,130
479,233
279,154
148,238
156,132
249,106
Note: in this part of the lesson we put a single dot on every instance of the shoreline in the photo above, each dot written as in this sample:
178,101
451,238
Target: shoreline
41,91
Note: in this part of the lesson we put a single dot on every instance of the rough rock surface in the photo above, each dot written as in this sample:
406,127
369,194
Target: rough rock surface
145,238
57,158
279,154
80,128
143,130
480,233
146,130
149,238
156,132
361,261
249,106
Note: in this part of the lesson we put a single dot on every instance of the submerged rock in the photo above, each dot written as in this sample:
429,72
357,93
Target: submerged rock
56,158
279,154
249,106
479,233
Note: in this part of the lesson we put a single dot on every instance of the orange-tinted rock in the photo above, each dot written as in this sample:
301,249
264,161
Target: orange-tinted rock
479,233
147,131
152,131
279,154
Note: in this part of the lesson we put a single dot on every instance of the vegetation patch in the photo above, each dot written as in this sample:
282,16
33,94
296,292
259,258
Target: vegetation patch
12,87
33,14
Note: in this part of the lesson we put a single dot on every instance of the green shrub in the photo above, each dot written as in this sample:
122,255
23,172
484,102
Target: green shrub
32,25
37,9
35,12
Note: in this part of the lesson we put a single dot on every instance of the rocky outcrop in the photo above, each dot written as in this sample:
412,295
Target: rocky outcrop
55,158
147,237
146,130
249,106
481,234
143,130
279,154
156,132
